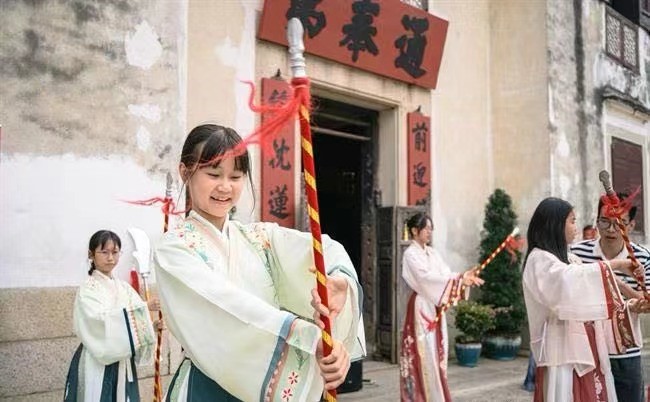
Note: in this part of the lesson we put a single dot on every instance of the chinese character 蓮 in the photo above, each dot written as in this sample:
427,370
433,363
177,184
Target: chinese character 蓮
278,202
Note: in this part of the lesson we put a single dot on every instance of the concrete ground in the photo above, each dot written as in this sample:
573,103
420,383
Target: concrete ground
490,381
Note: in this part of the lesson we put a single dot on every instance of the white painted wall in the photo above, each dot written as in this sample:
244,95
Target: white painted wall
92,113
50,206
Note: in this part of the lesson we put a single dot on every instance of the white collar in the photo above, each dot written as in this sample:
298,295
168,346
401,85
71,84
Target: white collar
598,251
219,233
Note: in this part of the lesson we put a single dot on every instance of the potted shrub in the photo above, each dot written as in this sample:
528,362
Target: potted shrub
502,289
473,320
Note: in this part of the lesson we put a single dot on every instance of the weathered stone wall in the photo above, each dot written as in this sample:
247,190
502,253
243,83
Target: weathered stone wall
518,99
463,167
92,113
37,344
580,74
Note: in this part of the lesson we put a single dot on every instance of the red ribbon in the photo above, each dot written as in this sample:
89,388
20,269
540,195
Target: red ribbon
168,205
616,208
513,245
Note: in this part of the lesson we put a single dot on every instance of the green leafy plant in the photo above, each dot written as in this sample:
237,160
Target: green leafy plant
473,320
502,289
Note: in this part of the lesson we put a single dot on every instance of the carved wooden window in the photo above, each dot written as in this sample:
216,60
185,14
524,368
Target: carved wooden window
422,4
627,175
622,40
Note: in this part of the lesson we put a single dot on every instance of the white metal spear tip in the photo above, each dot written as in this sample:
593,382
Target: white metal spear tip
168,187
142,250
296,48
515,231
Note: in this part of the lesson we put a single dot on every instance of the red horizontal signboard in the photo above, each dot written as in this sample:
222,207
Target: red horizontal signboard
386,37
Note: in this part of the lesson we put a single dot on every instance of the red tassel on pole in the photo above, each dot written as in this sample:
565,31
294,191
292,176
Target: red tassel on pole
614,209
135,280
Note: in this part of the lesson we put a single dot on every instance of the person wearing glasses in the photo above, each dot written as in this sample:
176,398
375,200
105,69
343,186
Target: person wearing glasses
115,329
571,307
626,368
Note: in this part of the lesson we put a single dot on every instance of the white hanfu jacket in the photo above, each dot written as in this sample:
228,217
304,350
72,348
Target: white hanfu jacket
435,284
238,301
560,298
428,275
114,327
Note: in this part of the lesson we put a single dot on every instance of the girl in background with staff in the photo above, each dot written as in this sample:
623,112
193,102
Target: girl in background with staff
115,329
240,298
424,342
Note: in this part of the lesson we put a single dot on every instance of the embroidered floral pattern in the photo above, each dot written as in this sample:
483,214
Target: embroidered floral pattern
407,369
258,238
189,232
287,393
292,380
301,358
621,326
406,360
256,235
599,388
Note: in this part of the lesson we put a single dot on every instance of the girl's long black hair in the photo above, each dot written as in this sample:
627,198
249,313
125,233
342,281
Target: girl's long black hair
546,230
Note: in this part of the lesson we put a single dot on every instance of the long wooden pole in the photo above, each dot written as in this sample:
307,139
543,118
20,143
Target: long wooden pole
300,83
157,385
456,296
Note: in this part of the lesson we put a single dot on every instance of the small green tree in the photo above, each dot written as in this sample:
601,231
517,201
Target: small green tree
502,289
473,320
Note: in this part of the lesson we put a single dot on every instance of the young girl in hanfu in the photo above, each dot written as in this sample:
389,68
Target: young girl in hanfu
115,329
240,298
423,361
570,307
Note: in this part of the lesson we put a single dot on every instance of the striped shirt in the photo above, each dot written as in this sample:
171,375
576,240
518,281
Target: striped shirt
589,251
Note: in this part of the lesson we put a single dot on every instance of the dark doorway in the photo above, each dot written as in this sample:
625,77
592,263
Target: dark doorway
344,139
344,145
338,165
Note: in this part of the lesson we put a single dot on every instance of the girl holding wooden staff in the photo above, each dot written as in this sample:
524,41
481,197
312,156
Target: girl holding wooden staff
239,297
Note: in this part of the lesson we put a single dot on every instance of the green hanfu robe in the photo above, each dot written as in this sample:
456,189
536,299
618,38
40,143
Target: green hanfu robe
115,329
238,301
